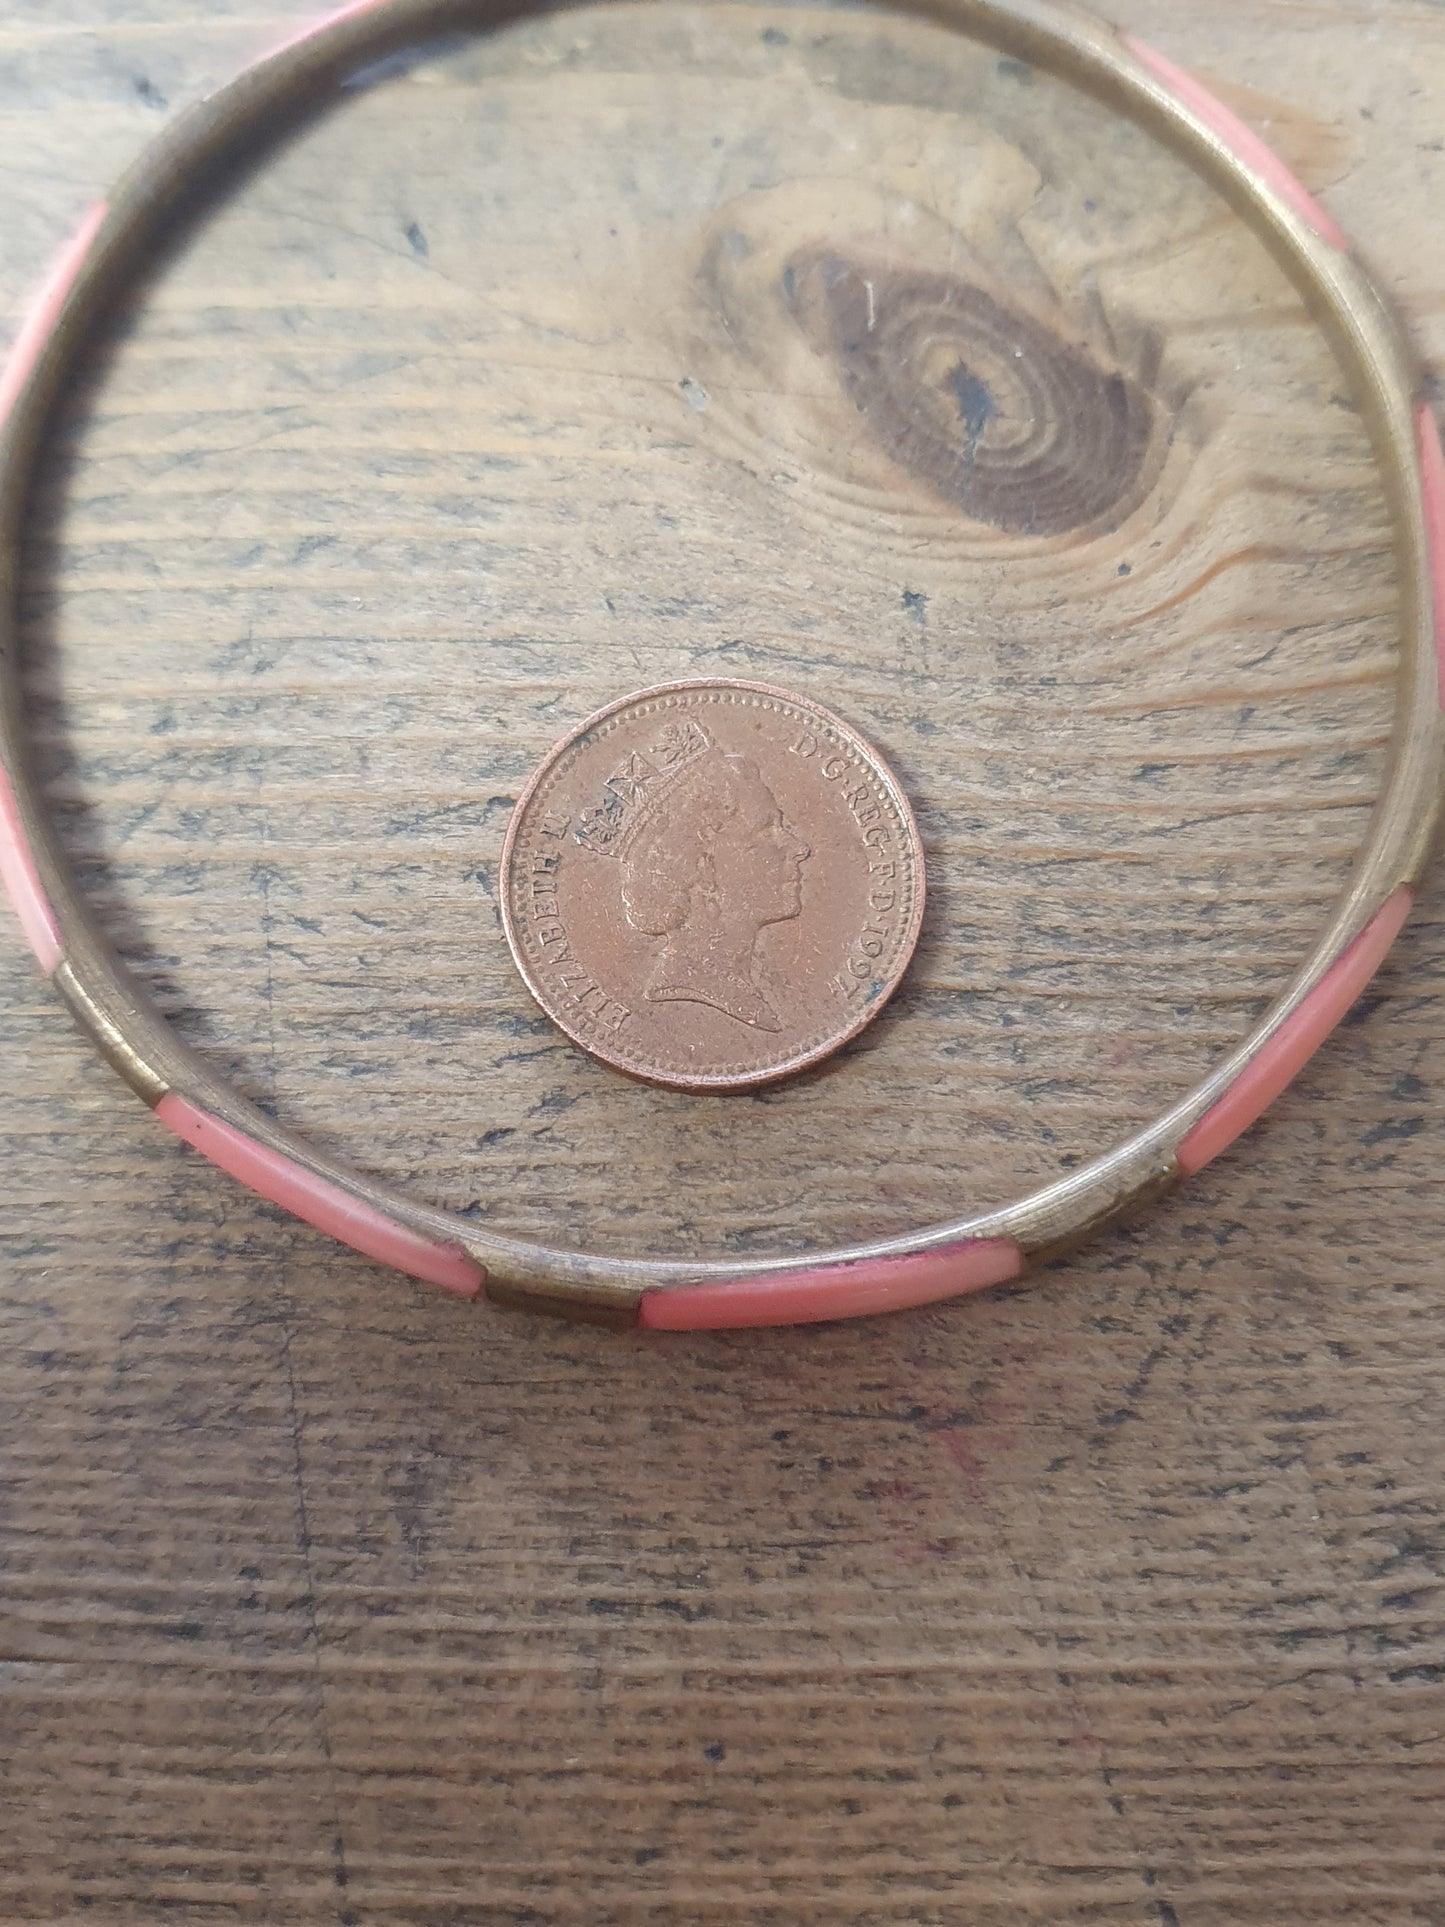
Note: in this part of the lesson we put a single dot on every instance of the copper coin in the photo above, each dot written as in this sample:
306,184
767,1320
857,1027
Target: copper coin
709,885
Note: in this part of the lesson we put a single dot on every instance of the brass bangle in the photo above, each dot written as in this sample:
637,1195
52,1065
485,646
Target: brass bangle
941,1260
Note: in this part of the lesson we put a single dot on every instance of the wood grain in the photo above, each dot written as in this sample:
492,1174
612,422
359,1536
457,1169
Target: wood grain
814,347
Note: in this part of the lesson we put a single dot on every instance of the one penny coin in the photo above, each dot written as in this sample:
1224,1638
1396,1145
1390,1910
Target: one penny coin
710,885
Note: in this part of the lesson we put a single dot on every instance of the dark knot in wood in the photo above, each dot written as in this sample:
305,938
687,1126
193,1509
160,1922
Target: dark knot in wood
979,400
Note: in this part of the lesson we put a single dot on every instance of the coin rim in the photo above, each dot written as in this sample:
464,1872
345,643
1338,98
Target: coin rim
730,1081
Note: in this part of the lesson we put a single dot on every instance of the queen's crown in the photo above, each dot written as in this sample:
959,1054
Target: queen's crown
632,794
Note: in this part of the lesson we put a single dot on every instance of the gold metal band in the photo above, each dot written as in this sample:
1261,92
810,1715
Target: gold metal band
251,111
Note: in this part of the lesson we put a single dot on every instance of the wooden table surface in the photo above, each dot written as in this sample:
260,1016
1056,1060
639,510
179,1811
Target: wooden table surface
535,372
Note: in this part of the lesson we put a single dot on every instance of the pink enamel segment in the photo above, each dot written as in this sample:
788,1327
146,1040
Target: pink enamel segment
1432,486
38,325
1297,1039
1239,135
319,1202
314,28
837,1291
22,883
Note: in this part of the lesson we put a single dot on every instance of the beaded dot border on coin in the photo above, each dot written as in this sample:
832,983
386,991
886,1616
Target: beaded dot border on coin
941,1261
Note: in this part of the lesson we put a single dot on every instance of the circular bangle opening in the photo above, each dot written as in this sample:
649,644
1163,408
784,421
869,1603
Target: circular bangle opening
820,299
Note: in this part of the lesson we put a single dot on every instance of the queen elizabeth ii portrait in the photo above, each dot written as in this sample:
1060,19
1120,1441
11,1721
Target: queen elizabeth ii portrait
706,863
